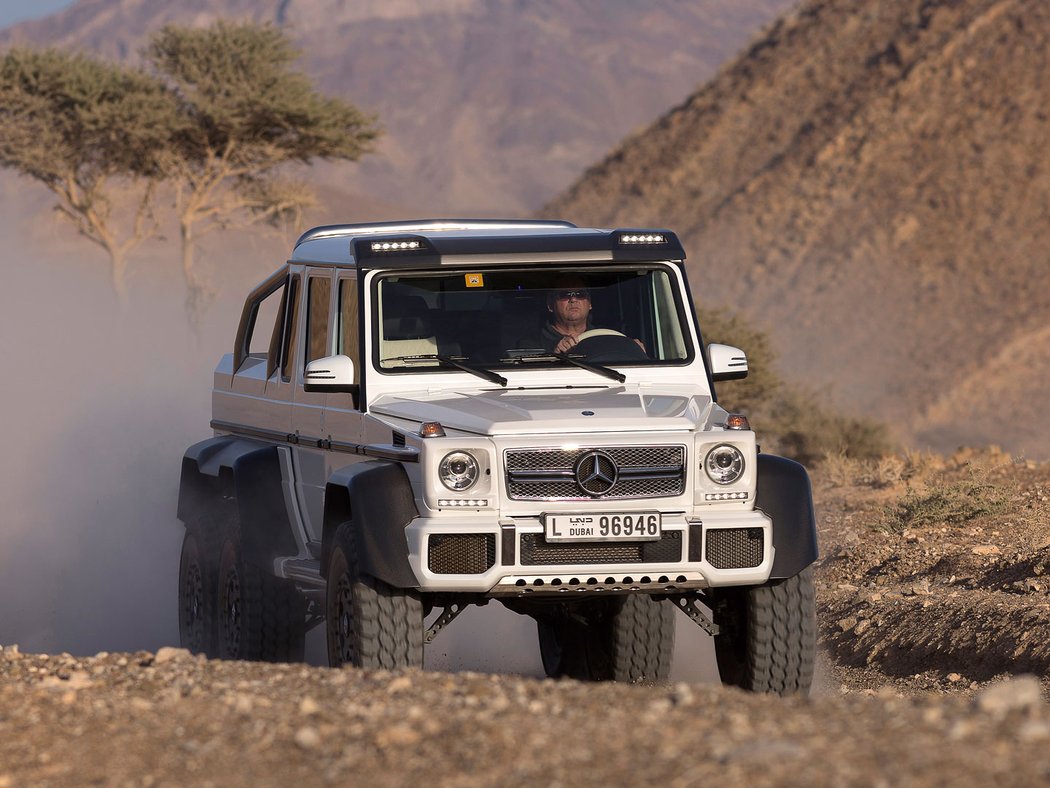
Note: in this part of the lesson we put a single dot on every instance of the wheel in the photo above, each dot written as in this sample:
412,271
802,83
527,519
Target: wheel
768,636
260,617
628,638
369,623
605,346
197,592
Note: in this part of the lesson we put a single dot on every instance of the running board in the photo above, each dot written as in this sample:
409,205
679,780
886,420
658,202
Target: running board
304,572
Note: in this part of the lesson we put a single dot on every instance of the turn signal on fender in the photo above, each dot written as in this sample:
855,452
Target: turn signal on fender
431,429
737,421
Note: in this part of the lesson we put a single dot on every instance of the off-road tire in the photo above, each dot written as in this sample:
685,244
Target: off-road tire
198,583
260,617
768,636
369,624
627,638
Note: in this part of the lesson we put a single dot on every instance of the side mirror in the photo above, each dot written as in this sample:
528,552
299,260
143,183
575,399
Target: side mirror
727,362
332,373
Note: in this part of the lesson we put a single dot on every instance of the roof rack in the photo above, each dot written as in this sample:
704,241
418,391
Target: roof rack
432,225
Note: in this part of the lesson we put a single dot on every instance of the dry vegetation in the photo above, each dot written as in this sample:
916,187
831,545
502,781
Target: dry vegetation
791,419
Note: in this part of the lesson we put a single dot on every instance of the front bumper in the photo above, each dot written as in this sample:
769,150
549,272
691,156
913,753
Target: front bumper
512,557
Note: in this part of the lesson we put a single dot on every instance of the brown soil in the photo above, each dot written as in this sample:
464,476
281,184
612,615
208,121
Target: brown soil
938,607
923,627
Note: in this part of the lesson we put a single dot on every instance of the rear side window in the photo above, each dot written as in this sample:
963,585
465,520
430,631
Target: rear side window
320,295
291,329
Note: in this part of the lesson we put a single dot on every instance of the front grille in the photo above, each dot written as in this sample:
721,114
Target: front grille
537,551
734,548
641,472
461,554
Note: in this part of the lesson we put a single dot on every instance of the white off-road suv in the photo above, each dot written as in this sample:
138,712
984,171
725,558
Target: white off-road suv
414,435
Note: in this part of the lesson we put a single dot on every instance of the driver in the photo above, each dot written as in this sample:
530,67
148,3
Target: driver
569,308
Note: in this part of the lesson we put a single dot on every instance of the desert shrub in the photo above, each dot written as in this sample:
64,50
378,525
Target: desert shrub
887,470
942,501
791,420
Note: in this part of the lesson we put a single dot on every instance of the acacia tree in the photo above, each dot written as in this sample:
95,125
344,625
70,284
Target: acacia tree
91,132
249,114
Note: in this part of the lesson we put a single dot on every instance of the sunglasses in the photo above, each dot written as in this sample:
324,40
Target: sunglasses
579,295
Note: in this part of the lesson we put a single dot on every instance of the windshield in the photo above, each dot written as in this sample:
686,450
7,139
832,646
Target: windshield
619,316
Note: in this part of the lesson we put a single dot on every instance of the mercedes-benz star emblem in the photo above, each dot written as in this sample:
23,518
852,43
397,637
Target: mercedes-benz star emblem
596,473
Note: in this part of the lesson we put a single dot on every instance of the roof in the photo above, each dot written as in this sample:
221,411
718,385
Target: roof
430,243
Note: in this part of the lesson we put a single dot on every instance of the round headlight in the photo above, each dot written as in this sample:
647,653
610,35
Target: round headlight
458,471
724,464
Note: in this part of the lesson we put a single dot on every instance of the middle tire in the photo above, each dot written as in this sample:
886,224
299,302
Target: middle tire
627,638
369,624
260,617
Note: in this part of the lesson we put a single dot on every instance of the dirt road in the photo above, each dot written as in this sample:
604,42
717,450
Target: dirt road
925,628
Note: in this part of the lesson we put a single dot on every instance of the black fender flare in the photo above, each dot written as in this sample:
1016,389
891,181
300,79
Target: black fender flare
228,475
376,496
785,494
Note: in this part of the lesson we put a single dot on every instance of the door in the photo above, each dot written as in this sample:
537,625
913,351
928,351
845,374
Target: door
308,407
344,419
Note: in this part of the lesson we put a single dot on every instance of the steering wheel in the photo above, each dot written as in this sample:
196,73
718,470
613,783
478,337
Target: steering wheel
598,332
605,346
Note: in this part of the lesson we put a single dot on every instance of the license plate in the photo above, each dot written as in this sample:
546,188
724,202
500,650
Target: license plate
605,527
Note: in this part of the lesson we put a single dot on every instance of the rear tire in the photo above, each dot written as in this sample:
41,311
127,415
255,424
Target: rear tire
628,639
369,624
198,578
768,636
260,617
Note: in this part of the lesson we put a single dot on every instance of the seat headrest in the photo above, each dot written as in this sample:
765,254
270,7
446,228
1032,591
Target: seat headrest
406,317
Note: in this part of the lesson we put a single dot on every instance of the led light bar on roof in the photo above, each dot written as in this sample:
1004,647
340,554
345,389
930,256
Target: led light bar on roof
394,246
643,238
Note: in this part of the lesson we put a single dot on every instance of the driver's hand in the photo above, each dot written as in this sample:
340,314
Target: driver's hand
565,344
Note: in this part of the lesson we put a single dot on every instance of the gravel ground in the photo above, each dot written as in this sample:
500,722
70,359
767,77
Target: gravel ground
934,667
173,719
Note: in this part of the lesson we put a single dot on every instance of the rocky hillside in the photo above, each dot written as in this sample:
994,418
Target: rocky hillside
489,105
869,182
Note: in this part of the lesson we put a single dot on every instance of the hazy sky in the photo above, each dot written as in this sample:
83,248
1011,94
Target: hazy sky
12,11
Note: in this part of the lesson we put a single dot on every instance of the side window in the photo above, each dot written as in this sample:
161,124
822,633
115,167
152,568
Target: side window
320,292
348,331
291,329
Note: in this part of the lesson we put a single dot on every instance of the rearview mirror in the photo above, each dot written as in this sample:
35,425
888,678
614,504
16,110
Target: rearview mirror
332,373
727,362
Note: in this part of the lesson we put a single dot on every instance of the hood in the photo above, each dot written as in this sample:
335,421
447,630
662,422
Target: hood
542,411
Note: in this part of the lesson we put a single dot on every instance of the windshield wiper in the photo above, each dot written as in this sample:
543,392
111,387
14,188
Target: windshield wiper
576,362
457,362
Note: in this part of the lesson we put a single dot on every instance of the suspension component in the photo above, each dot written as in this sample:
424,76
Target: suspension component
448,615
688,605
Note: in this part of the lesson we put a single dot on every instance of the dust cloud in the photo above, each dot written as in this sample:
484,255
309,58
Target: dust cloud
100,401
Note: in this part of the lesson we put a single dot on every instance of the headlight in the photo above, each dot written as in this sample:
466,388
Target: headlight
458,471
724,464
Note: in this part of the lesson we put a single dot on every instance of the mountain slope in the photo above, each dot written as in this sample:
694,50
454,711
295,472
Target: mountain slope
870,183
489,105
